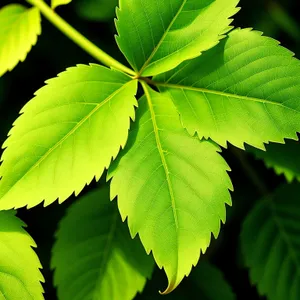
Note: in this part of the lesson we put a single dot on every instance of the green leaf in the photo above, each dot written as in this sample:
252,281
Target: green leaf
20,277
284,158
96,10
271,244
94,256
171,186
156,36
211,283
55,3
245,90
20,28
66,136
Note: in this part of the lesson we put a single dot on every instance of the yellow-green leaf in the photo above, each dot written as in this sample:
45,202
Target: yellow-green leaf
66,136
20,276
55,3
19,29
156,36
172,187
244,90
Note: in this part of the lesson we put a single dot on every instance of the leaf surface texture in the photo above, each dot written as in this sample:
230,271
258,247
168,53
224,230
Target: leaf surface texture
20,277
94,256
172,187
67,135
245,90
271,244
156,36
19,29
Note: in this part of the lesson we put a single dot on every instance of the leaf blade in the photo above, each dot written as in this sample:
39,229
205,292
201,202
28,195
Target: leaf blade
275,246
56,3
20,28
160,151
211,282
99,10
69,121
20,274
283,158
244,86
101,243
146,32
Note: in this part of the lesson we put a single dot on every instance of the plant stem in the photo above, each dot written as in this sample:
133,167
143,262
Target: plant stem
78,38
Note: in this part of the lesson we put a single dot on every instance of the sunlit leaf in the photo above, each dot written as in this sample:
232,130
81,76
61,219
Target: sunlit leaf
19,29
156,36
55,3
20,277
245,90
67,135
171,186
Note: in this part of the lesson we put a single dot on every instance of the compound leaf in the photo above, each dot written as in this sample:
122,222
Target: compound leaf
20,277
55,3
66,136
156,36
171,186
271,244
94,256
96,10
245,90
19,29
284,158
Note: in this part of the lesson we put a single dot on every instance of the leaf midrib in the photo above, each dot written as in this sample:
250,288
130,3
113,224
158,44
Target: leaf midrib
81,122
161,153
219,93
162,38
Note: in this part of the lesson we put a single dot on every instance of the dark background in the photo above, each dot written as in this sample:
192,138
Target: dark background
54,53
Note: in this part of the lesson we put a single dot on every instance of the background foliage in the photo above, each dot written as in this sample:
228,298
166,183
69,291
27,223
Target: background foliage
54,53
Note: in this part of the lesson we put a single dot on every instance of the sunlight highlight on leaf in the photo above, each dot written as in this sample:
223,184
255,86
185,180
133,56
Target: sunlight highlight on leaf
20,276
19,29
172,187
156,36
65,137
55,3
245,90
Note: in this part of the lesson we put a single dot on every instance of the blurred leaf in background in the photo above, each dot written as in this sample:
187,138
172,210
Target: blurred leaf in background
283,158
96,10
284,20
